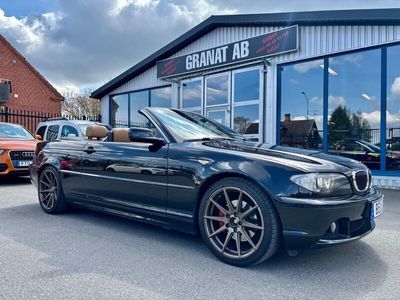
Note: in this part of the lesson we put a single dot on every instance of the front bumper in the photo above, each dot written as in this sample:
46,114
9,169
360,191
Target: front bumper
307,223
7,168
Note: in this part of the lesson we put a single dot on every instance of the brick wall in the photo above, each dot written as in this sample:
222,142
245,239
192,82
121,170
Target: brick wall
33,91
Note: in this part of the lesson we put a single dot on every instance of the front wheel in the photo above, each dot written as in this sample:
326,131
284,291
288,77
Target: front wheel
238,222
51,195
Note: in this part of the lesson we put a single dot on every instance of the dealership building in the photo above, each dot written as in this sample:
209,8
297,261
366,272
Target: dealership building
327,80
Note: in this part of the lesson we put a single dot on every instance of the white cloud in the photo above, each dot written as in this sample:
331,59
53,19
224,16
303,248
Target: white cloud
294,81
354,59
336,100
374,119
307,66
87,43
395,88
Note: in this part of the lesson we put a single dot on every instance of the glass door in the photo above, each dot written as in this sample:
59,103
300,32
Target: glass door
247,110
217,97
192,95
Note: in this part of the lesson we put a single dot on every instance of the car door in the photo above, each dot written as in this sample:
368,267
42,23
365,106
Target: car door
125,175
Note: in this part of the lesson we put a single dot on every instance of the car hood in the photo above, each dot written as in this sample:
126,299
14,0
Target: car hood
306,160
17,144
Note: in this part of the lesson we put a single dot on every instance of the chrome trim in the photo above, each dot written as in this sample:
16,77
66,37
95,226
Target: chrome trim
368,180
128,180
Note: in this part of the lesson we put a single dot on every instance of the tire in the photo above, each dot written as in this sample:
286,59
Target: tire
254,222
50,192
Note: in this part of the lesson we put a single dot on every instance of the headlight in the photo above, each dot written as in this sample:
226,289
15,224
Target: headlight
329,184
2,151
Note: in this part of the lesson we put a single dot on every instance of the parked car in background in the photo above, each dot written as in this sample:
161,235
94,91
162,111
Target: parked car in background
244,198
367,153
17,146
57,128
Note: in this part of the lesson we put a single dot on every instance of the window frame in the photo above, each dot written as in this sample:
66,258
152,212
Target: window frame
259,101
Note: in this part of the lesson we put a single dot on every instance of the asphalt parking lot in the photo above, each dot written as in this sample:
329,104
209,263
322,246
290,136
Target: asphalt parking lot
87,255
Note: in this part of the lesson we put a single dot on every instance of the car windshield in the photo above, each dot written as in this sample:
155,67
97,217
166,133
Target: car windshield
185,127
371,147
12,131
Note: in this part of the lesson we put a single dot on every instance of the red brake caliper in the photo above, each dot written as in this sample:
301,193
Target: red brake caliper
220,214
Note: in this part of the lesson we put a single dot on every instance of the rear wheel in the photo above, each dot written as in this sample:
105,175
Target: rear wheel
238,222
51,196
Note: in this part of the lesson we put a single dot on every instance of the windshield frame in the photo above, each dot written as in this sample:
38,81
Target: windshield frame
177,139
29,137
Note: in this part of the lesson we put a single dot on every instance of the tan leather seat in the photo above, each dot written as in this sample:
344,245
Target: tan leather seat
96,132
121,135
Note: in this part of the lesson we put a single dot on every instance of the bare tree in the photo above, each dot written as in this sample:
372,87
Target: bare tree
78,105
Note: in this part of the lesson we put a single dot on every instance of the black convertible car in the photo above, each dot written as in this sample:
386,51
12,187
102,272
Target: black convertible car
189,173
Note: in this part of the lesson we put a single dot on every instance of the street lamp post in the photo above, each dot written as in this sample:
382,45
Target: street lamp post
304,93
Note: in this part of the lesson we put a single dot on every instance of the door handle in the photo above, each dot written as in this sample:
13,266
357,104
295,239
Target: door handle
89,150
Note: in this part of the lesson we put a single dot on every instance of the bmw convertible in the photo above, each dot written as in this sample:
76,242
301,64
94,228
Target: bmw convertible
189,173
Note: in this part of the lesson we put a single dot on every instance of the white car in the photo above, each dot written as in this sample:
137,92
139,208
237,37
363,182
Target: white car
57,128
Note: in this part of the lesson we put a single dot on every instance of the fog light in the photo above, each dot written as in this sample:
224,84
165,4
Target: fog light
333,227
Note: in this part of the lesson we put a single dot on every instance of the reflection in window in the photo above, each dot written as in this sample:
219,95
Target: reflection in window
217,90
138,101
218,116
246,119
247,85
119,111
191,94
302,105
161,97
354,106
393,109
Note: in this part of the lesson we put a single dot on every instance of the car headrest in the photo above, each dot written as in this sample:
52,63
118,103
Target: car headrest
96,131
121,135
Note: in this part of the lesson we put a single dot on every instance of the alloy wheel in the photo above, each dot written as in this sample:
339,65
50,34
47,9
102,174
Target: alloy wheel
48,189
233,222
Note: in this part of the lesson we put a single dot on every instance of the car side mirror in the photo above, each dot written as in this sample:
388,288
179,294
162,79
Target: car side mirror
145,135
38,137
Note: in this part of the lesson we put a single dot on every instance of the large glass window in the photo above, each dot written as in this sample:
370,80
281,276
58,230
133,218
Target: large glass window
217,89
247,102
351,100
246,119
191,94
138,100
120,111
125,107
231,98
161,97
301,105
393,109
246,85
354,106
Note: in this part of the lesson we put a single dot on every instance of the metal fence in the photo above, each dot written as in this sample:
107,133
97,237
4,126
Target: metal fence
30,119
336,137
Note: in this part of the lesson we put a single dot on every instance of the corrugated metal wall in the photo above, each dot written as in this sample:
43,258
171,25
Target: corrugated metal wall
314,41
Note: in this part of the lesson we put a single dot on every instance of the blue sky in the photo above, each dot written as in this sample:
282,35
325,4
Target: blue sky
22,8
79,44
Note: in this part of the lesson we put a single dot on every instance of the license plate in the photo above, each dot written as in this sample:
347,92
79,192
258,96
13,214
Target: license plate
377,208
22,163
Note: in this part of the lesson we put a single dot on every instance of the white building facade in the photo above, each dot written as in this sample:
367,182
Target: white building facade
326,81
